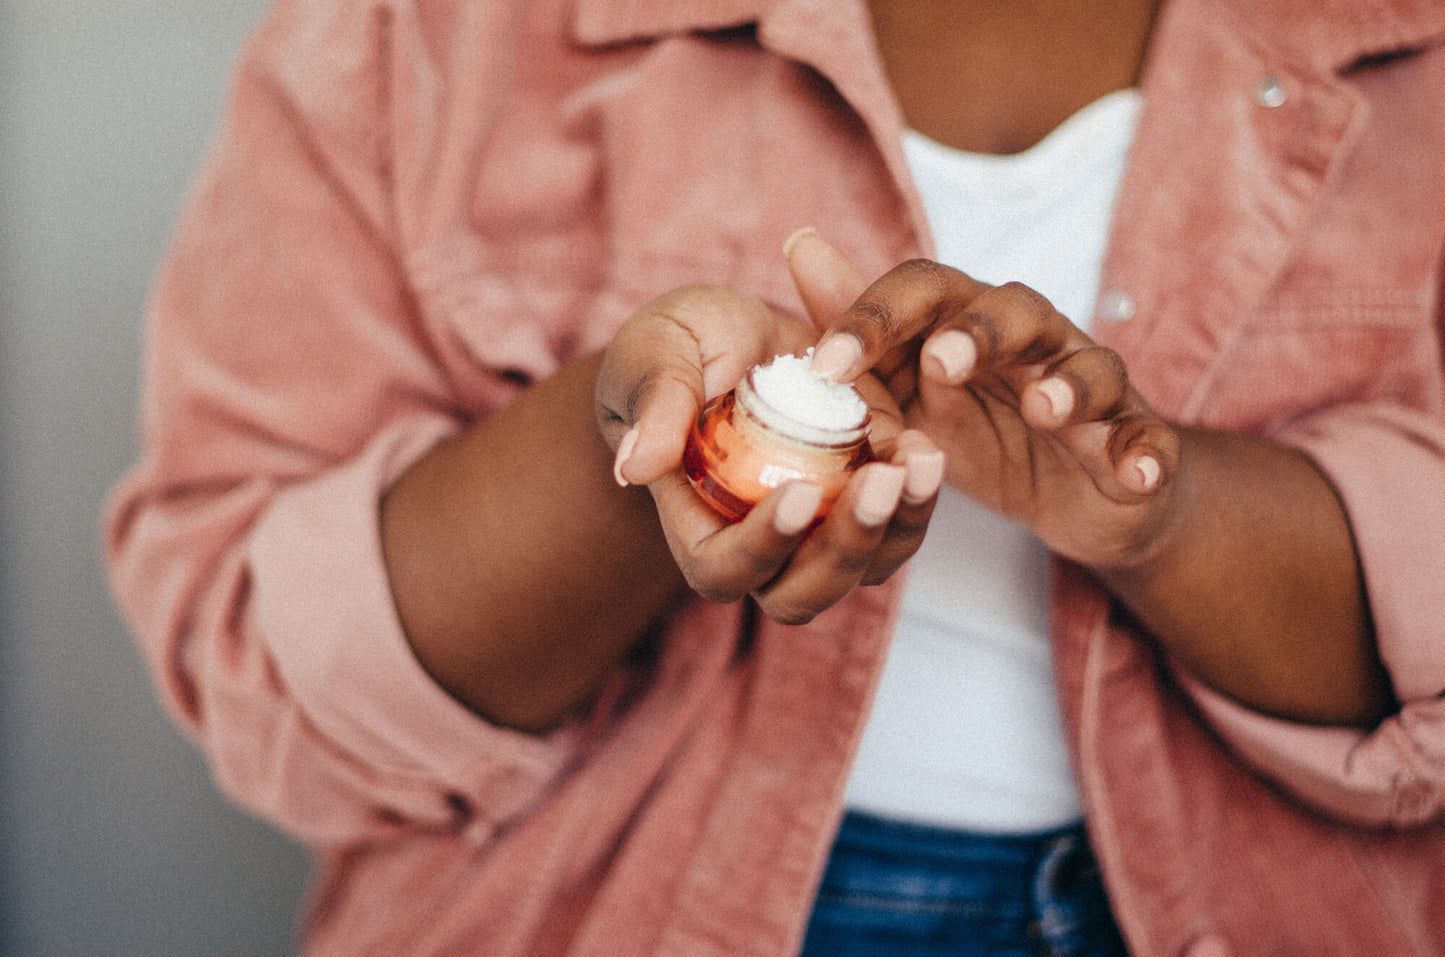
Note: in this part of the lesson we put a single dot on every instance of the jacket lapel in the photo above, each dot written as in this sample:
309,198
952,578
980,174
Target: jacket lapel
1217,193
834,37
1220,189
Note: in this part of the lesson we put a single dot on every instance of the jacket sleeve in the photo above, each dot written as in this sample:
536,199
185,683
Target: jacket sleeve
288,380
1387,464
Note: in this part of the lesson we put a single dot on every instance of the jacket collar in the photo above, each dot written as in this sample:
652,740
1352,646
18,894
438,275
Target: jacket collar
1331,35
1328,34
606,22
834,37
1251,178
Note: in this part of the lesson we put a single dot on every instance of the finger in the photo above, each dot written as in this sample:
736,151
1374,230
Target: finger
885,420
1128,456
653,445
825,279
902,304
1144,450
1086,385
833,559
1087,394
723,561
1008,325
922,462
667,360
923,466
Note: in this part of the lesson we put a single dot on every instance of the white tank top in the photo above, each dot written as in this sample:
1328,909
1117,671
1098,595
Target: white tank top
965,731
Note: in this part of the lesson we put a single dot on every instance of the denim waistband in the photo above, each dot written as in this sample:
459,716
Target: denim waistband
901,888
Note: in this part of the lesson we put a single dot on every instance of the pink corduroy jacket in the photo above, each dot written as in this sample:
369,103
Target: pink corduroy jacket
417,208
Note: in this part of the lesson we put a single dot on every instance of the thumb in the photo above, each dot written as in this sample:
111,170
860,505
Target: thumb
825,279
653,446
664,363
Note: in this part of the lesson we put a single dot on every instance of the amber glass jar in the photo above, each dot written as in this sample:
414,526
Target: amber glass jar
741,448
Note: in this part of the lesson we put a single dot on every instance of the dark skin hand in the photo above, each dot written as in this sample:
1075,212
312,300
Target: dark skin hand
1231,550
524,572
696,343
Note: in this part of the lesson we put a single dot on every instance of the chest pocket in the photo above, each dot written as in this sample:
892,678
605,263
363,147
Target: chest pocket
1324,346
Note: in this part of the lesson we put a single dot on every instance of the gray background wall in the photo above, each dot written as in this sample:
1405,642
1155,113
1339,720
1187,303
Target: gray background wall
112,841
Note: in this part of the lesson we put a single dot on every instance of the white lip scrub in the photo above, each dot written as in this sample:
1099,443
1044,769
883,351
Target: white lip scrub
806,402
783,422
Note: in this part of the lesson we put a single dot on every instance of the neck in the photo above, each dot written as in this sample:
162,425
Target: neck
996,76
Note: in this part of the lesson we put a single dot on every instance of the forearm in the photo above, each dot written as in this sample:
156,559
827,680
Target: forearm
521,571
1257,588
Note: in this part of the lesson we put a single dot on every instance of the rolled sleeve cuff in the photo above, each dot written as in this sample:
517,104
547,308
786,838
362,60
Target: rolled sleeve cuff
1392,776
1387,464
324,607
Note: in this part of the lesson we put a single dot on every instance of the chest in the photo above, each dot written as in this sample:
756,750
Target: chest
1269,259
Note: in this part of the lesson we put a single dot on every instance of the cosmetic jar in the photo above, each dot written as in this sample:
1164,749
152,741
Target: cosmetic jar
782,423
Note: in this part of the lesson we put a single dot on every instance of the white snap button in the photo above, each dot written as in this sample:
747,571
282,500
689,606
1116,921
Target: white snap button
1115,306
1270,93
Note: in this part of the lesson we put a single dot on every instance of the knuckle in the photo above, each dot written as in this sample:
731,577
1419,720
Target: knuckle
1027,298
1114,364
1105,378
933,274
850,564
917,274
876,314
632,399
987,336
1160,435
689,292
1025,315
786,612
907,529
708,586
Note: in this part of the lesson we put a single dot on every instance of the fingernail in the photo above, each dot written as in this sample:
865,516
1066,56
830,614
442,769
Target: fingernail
1149,472
923,476
955,353
792,240
797,506
835,355
878,495
624,452
1059,394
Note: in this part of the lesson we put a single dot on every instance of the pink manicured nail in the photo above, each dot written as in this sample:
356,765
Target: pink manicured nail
792,240
1060,396
624,452
835,355
878,495
1149,472
797,506
955,353
923,474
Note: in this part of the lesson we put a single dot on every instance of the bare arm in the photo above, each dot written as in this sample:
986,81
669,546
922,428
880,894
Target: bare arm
1256,589
521,571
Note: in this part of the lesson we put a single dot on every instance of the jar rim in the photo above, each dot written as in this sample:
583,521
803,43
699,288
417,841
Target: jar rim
791,428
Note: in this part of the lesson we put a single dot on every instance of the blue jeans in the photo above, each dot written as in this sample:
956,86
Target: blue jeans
904,890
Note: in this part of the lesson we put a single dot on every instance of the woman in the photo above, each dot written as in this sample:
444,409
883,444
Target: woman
376,556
